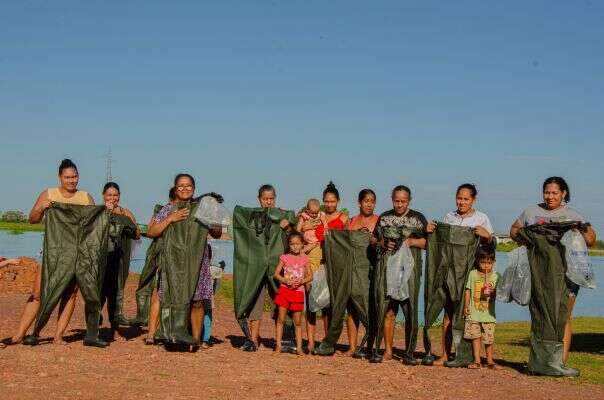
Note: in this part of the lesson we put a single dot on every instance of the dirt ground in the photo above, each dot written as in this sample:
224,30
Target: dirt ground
131,370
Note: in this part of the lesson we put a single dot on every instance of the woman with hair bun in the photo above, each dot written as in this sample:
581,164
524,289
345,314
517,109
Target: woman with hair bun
332,220
67,192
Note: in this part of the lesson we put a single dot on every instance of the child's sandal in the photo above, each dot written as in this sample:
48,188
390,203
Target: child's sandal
474,366
493,366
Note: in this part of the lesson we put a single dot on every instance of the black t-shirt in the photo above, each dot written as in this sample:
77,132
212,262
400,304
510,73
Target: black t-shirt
412,220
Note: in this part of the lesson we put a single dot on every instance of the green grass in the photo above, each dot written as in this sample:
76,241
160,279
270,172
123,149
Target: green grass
225,291
20,227
506,247
511,342
587,353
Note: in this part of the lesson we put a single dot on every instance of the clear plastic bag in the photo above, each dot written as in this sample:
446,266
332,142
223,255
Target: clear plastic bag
578,262
318,296
521,278
135,247
504,286
216,272
399,268
211,212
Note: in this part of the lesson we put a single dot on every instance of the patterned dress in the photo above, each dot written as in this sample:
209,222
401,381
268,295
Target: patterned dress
204,290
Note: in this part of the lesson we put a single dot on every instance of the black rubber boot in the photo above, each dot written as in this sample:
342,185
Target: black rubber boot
376,357
95,342
324,350
249,346
408,359
31,340
428,360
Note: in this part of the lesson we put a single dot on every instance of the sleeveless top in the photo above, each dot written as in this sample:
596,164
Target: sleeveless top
335,224
79,198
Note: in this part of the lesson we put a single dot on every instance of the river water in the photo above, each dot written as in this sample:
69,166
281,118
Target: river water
590,302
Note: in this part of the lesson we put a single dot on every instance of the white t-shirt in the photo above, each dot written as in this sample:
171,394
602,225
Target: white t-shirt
476,219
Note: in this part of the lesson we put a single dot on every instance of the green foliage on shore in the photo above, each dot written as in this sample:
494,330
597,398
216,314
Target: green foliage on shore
20,227
506,247
596,250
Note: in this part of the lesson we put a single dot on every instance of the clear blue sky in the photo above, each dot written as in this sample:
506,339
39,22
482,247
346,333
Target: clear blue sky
295,93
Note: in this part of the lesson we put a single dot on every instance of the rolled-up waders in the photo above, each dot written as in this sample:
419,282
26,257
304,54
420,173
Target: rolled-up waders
381,299
258,243
75,249
184,243
148,279
121,232
347,264
451,252
549,297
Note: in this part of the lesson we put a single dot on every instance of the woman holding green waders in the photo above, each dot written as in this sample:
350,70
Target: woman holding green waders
116,271
68,193
267,196
464,216
400,219
556,196
178,277
333,220
366,220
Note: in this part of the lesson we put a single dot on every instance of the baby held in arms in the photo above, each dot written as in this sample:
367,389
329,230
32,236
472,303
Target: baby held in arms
312,213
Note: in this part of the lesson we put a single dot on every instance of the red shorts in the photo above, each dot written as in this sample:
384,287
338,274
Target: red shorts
291,299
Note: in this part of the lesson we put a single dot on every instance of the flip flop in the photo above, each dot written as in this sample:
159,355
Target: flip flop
474,366
493,366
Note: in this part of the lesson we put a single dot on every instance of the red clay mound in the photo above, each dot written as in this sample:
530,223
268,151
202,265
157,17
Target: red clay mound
19,278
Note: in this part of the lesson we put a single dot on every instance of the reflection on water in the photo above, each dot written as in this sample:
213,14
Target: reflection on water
589,301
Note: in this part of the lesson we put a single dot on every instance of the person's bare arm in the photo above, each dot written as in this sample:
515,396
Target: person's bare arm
344,219
419,243
37,211
590,236
516,226
466,302
307,276
278,276
484,235
131,216
299,225
157,228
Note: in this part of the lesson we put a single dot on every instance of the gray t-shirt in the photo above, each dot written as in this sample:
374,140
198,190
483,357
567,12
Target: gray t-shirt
540,215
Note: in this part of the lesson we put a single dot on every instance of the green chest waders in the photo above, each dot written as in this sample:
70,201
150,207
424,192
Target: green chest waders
549,297
451,251
75,248
381,300
148,279
121,232
348,268
258,243
184,244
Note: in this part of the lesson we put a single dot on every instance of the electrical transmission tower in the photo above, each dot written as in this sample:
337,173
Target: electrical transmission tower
108,176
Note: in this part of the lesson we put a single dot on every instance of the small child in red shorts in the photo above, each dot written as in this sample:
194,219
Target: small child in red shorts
293,272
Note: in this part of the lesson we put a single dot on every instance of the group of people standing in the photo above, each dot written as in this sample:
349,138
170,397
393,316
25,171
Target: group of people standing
277,254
